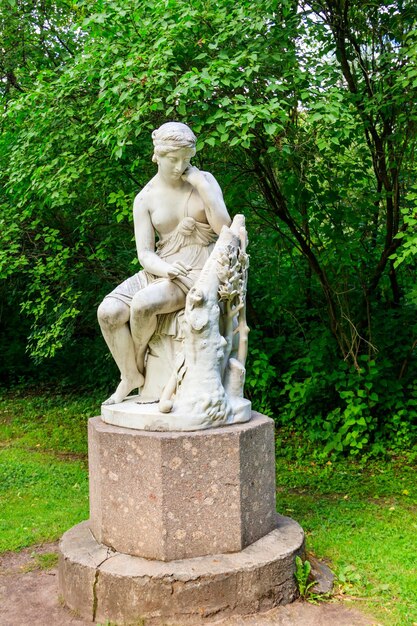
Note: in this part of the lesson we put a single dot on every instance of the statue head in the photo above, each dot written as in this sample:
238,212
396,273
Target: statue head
172,136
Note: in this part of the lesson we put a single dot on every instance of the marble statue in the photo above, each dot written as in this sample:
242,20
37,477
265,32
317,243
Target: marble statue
177,329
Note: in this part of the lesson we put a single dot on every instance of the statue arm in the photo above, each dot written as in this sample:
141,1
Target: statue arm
145,245
211,195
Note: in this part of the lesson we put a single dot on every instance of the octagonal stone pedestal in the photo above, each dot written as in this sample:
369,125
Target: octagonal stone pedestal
177,495
182,527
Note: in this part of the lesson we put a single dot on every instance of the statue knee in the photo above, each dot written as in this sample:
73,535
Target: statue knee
142,306
112,313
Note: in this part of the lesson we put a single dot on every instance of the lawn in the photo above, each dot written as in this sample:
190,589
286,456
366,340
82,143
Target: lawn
359,516
43,467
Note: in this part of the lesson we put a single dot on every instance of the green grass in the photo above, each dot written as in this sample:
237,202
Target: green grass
40,497
360,518
43,467
41,561
55,423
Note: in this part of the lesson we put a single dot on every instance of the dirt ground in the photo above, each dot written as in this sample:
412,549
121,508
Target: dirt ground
29,597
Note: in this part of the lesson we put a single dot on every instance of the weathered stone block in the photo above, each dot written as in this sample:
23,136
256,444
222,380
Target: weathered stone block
128,589
178,495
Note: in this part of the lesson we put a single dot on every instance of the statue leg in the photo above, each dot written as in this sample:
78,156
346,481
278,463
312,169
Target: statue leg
113,316
156,299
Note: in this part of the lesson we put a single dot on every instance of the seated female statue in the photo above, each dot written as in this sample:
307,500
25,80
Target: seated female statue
184,207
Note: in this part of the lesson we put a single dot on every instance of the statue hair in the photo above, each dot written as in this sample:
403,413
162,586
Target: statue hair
172,136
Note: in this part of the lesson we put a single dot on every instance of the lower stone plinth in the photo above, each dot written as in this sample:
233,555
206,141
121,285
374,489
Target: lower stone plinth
102,585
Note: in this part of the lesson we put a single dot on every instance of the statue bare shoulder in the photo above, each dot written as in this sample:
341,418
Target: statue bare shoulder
143,200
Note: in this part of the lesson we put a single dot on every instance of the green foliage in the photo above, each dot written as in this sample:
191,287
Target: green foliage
305,112
261,381
302,576
352,411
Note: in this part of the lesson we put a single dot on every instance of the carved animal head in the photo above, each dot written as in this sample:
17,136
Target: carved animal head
197,311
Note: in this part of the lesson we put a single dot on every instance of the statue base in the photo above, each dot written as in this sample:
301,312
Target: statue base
182,526
143,414
102,585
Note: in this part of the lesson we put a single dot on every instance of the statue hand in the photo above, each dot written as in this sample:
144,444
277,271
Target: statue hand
194,176
178,269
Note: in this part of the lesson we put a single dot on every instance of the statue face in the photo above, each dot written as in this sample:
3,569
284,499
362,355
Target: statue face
173,164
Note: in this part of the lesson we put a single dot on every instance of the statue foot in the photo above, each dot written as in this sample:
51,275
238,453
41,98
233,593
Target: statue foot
124,388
